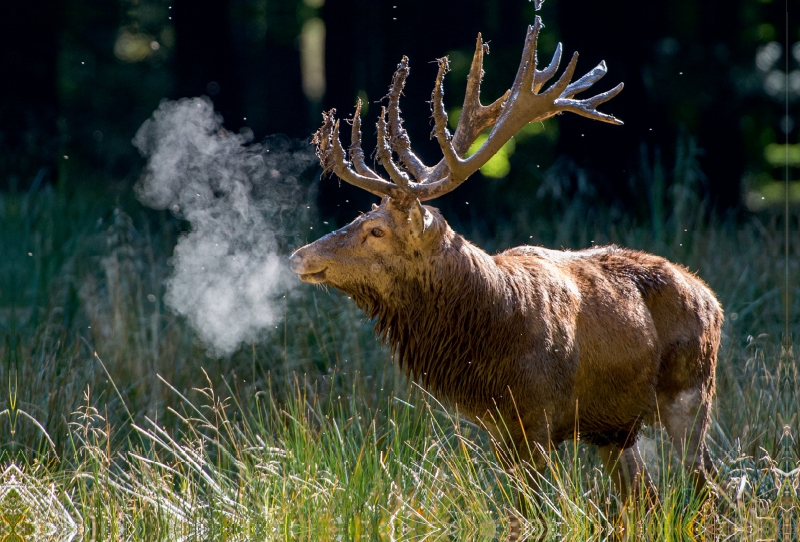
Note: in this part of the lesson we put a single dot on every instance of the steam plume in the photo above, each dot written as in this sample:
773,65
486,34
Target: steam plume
241,201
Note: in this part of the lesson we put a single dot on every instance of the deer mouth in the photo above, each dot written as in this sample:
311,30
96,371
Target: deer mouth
313,278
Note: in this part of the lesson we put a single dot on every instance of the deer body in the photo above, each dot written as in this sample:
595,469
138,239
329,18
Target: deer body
590,341
536,345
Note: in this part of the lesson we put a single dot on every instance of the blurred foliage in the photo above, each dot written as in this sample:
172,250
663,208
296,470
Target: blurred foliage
728,76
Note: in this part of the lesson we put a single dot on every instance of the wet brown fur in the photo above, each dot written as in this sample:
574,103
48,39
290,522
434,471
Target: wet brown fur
595,341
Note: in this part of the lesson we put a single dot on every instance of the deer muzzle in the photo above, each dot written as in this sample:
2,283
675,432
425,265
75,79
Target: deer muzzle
308,268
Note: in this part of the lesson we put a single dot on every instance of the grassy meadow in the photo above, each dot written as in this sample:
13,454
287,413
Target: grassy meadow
113,414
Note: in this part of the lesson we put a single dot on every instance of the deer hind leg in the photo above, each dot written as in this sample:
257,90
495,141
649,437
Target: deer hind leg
628,473
686,416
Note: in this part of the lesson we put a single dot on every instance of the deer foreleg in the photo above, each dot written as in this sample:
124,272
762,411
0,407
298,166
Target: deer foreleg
629,474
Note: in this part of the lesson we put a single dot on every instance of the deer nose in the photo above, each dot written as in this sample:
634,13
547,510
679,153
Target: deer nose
296,262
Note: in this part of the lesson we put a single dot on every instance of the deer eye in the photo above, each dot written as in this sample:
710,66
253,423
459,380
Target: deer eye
377,232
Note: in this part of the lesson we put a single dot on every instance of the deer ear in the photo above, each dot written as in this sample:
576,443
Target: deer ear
419,218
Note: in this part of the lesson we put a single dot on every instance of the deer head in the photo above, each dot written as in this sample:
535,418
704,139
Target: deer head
375,250
390,240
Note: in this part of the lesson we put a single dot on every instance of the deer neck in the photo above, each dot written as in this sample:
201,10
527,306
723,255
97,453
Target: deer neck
446,320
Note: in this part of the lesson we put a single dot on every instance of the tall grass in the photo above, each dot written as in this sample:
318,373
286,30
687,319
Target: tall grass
111,404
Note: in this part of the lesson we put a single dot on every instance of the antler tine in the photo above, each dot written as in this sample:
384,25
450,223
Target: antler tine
398,137
564,91
546,74
472,97
440,118
587,80
475,117
385,154
322,140
332,159
356,152
587,108
561,85
527,64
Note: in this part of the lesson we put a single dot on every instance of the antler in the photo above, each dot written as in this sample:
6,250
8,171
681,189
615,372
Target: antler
521,104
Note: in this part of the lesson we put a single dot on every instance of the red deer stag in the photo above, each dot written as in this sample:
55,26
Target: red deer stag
554,342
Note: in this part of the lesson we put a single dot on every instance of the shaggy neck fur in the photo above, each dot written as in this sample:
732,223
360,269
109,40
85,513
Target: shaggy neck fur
454,325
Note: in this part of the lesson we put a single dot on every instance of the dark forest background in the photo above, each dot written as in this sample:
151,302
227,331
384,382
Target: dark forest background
80,76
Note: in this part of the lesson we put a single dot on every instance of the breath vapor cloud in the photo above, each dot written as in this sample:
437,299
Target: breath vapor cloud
242,202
